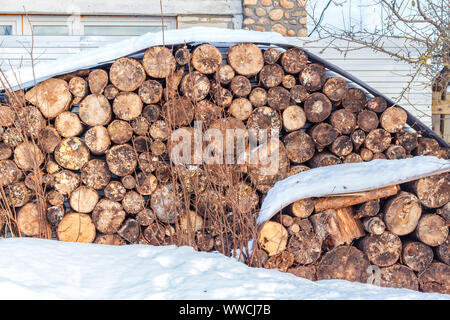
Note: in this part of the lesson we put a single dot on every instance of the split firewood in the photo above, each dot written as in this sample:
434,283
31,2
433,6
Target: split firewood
313,77
98,80
83,199
246,59
68,124
127,74
417,255
431,230
435,278
51,96
95,110
206,59
382,250
342,201
398,276
273,238
150,92
346,263
337,227
76,227
130,231
335,89
402,213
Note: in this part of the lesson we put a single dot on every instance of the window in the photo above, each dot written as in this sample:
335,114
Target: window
5,30
59,25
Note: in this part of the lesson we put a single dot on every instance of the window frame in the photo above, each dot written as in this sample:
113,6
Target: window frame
14,21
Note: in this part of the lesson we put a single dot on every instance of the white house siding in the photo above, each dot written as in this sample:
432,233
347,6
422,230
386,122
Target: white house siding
379,71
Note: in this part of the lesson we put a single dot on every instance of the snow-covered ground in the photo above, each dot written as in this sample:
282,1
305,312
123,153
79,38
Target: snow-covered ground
45,269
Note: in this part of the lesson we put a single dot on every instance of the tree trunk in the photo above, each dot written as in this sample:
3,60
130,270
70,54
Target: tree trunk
241,108
323,135
324,159
435,278
282,261
166,203
417,255
303,208
402,213
76,227
393,119
68,124
382,250
271,55
98,80
368,209
366,154
246,59
97,140
355,100
377,104
398,276
126,106
294,60
225,74
367,120
378,140
159,62
121,160
271,75
358,137
110,92
306,272
182,56
443,251
374,225
343,201
431,230
95,110
264,118
195,86
299,146
294,118
299,94
127,74
342,146
78,87
150,91
289,81
133,202
313,77
115,191
335,89
304,244
273,238
66,181
206,59
395,152
83,199
317,107
30,222
120,131
130,231
407,140
433,191
96,174
258,97
278,98
344,121
346,263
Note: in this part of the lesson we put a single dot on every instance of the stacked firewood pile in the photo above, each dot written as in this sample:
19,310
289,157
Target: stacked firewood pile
87,156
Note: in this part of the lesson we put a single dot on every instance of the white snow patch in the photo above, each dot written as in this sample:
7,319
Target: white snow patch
46,269
347,178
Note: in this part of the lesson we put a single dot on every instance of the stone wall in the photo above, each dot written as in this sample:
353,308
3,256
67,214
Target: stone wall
287,17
